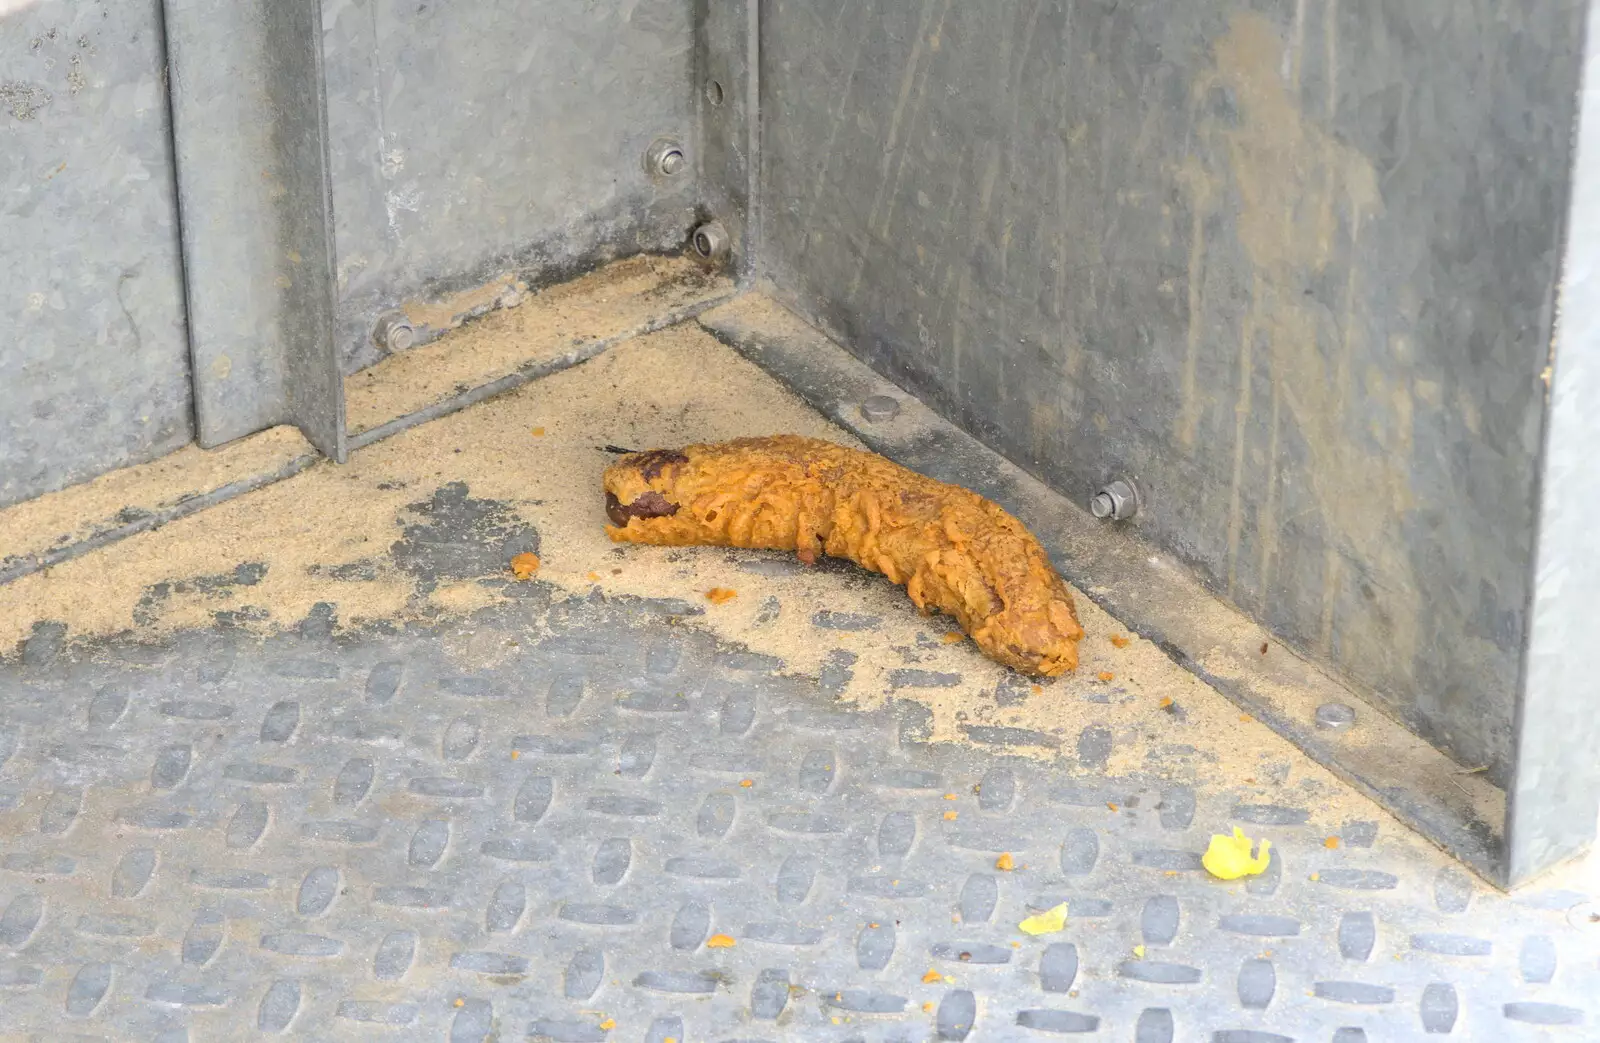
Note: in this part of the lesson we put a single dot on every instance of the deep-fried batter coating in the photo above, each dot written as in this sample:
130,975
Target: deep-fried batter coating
953,550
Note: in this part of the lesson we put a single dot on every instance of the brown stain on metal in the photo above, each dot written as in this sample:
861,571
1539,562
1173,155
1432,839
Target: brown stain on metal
1300,198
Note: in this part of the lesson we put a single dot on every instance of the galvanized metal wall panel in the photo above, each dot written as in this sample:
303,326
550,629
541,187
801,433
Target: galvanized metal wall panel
1288,264
94,369
469,139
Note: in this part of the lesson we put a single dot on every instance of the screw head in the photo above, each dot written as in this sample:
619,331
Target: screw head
878,408
1335,717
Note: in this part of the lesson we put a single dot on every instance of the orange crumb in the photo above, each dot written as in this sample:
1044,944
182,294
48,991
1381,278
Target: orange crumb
1331,843
931,977
949,796
594,577
538,432
515,754
720,941
1111,805
1120,640
1005,862
953,637
1166,702
873,926
608,1024
1107,675
1244,717
747,783
949,816
524,565
720,595
927,1008
460,1002
1037,690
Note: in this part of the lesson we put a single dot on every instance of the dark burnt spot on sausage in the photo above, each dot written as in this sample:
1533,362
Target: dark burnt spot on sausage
650,505
653,461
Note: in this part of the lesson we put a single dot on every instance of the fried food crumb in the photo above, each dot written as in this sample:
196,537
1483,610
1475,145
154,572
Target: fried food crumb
721,595
524,565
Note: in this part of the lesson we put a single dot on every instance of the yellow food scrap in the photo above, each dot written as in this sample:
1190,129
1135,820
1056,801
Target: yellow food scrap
746,783
953,637
932,977
949,796
720,595
1120,640
538,432
608,1024
1138,952
460,1002
594,577
1048,922
524,565
950,816
1005,863
720,941
1228,858
1107,675
515,754
1331,843
927,1008
1166,702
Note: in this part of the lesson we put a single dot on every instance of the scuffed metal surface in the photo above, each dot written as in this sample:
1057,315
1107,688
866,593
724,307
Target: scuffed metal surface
94,369
1288,265
471,140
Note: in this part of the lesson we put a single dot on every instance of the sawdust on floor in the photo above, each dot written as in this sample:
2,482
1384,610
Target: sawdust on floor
35,527
326,536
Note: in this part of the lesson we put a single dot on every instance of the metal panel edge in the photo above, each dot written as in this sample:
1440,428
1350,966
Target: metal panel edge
728,101
250,140
1554,797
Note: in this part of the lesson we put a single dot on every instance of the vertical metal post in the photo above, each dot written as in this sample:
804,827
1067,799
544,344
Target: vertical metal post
255,206
727,39
1553,801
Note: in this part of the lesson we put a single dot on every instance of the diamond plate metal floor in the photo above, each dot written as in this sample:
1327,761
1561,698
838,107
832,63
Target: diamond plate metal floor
349,837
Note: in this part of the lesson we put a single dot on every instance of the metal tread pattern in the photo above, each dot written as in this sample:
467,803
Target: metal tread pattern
327,838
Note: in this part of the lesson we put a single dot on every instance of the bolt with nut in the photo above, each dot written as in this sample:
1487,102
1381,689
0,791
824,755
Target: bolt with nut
394,332
711,242
1118,501
665,158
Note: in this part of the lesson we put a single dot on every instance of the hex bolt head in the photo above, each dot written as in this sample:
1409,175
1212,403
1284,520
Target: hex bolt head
394,333
878,408
1335,717
1118,501
665,158
711,242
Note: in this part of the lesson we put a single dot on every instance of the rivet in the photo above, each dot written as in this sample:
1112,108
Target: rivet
1335,717
878,408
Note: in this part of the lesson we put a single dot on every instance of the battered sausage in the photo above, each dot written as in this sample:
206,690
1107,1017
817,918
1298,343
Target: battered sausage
953,550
